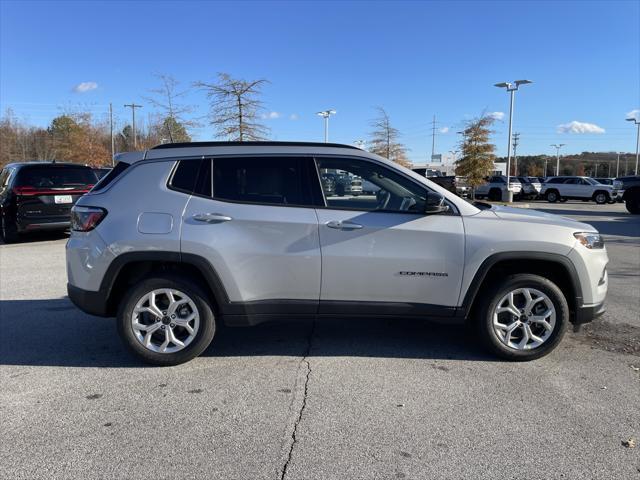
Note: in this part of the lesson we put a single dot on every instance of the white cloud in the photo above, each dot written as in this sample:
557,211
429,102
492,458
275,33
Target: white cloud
444,130
634,114
271,115
496,115
579,127
293,116
85,87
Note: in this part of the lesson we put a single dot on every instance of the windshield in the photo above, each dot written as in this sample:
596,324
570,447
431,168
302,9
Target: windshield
55,176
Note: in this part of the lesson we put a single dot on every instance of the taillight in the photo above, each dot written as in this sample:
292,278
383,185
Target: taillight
24,190
33,191
84,219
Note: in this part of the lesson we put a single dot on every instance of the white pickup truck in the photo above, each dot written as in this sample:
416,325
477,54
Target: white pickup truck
496,186
580,188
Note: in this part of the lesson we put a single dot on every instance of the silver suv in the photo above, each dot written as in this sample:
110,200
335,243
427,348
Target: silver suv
181,238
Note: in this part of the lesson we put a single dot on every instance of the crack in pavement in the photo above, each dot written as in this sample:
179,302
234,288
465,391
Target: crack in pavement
293,438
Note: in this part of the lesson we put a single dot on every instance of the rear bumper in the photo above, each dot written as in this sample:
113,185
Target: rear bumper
93,303
586,314
42,224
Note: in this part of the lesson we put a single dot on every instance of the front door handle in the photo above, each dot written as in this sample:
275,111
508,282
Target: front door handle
211,217
339,225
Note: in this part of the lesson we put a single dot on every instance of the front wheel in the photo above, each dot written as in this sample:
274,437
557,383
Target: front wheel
601,198
166,320
552,196
523,318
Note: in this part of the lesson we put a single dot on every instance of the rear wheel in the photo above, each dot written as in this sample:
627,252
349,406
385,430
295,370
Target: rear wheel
8,231
552,196
523,318
495,194
601,198
166,320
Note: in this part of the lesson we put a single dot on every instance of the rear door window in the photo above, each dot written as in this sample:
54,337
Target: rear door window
261,180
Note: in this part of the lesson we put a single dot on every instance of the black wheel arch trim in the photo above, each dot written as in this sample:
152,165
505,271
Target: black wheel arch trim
491,261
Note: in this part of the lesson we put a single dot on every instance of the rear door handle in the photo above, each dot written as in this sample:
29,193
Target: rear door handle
211,217
338,225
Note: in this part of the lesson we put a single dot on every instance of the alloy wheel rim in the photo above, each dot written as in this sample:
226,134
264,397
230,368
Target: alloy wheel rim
524,319
165,320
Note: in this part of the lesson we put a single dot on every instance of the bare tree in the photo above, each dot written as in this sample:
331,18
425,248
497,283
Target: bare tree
384,139
234,108
169,100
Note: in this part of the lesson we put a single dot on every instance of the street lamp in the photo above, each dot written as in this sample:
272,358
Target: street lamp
635,120
511,88
558,146
326,114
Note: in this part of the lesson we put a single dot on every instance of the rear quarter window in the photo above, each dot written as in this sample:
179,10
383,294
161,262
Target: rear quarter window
185,175
111,176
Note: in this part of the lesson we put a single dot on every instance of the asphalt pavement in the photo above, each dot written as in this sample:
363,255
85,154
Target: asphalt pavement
330,399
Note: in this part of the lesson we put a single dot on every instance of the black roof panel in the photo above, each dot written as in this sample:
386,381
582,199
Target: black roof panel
251,144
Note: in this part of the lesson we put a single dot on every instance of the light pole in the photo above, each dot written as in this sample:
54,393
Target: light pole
558,146
637,122
454,155
511,88
326,114
618,166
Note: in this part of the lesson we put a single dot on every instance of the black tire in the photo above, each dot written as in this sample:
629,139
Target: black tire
495,194
491,298
203,336
340,190
633,203
552,196
8,231
600,197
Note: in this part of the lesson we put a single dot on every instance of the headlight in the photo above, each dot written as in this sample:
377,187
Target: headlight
590,240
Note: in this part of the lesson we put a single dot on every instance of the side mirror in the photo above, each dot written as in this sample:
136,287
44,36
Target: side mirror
435,204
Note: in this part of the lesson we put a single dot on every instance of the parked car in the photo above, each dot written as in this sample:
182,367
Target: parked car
39,196
577,188
445,181
346,185
240,239
101,172
630,186
496,187
462,188
530,187
328,184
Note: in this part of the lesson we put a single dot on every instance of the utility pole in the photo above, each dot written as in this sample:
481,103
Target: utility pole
516,138
637,122
133,107
433,137
558,146
618,166
113,151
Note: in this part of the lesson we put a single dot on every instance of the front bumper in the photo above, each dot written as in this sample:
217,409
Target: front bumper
93,303
588,313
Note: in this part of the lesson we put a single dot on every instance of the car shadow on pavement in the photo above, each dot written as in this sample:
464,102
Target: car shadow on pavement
52,332
41,237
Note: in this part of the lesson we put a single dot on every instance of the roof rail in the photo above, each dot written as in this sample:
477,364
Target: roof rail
250,144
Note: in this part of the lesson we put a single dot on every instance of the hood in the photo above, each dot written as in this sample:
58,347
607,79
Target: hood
535,216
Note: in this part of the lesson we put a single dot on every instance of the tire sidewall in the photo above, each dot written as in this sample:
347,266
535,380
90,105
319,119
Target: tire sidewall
485,319
552,196
602,201
203,338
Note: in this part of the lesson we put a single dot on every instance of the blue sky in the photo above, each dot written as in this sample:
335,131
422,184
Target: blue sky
415,59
